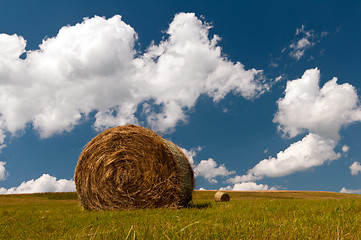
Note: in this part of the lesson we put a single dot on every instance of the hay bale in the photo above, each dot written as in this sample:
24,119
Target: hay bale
131,167
221,197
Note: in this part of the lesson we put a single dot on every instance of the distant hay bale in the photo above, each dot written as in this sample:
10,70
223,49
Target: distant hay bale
131,167
221,197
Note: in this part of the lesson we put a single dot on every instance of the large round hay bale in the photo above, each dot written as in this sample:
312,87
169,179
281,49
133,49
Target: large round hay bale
132,167
221,197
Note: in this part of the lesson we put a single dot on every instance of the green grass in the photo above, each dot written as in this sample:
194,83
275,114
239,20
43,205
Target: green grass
249,215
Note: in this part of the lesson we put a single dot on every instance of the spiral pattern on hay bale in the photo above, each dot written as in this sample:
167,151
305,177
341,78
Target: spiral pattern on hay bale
221,197
131,167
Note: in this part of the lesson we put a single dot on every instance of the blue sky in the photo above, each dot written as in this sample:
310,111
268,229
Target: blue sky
244,87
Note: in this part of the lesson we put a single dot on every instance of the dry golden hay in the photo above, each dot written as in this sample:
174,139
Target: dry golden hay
131,167
221,197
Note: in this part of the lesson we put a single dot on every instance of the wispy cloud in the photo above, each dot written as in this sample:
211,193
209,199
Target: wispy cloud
304,39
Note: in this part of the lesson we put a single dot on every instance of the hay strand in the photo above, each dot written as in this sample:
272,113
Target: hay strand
130,167
221,197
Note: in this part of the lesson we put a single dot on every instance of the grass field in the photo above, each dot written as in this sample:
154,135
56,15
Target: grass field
249,215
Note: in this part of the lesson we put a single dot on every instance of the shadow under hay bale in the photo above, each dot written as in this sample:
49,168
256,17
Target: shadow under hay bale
221,197
131,167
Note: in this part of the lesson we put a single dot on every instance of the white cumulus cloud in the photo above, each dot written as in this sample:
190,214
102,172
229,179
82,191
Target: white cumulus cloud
190,154
45,183
3,172
207,169
93,67
353,191
309,152
323,111
355,168
345,148
248,186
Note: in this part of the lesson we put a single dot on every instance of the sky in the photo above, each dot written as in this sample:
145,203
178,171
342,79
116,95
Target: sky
260,95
